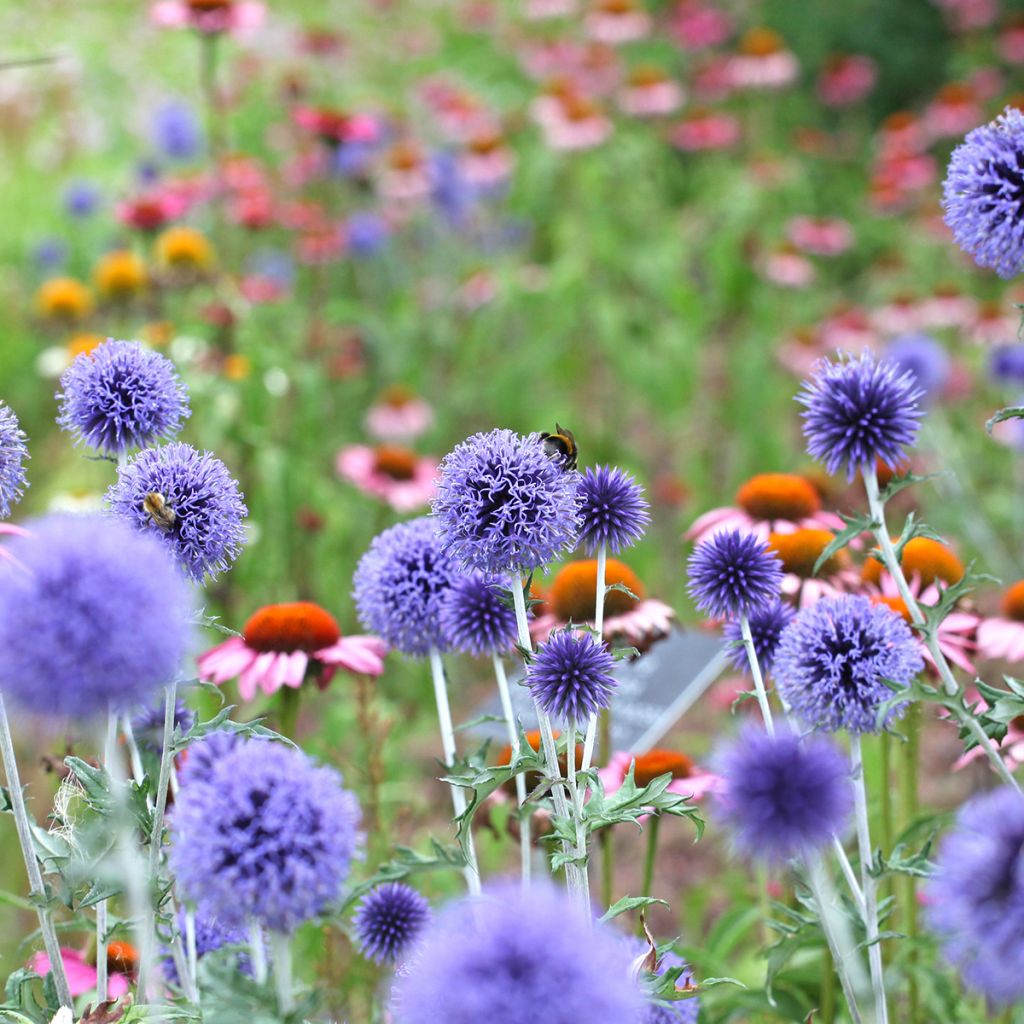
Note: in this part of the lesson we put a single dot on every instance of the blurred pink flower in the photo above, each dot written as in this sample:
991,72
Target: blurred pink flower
541,10
650,93
209,16
820,236
398,415
687,779
786,267
1001,637
762,61
487,162
397,476
948,308
705,130
846,79
572,122
617,21
953,112
80,974
151,211
695,25
1011,41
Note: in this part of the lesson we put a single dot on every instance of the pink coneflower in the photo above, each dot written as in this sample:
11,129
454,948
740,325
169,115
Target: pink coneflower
398,415
152,211
334,127
846,79
1011,40
81,975
847,328
901,133
953,112
543,10
948,307
397,476
487,162
321,245
799,551
785,266
253,210
1001,638
696,26
968,15
637,621
283,645
575,122
617,21
820,236
901,314
995,324
898,181
405,176
209,16
687,779
649,92
766,504
762,61
705,130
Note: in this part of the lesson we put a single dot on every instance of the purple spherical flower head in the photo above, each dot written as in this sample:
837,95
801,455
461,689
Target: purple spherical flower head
148,724
767,624
203,527
858,411
783,796
518,954
13,453
211,936
975,899
399,586
925,358
733,573
503,506
266,835
684,1011
389,920
121,396
93,617
983,194
613,512
1007,363
571,676
203,755
81,198
477,617
836,658
176,131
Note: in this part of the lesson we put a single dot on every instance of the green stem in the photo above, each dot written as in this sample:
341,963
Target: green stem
653,824
607,866
828,988
288,710
909,800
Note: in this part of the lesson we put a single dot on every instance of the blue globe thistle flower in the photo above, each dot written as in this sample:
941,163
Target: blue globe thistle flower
476,617
366,233
983,194
836,658
266,835
82,198
503,506
925,358
50,253
767,624
1006,363
389,920
613,512
202,517
571,675
205,754
13,453
177,134
858,411
685,1011
148,724
121,396
975,899
399,586
783,796
518,950
211,936
733,573
92,617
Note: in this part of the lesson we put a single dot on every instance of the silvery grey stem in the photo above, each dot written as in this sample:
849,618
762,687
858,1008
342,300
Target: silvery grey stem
755,671
258,953
32,869
190,946
166,758
109,756
281,950
881,533
599,596
134,757
513,739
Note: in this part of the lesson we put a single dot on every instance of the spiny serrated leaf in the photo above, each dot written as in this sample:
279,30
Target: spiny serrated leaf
628,903
855,526
1011,412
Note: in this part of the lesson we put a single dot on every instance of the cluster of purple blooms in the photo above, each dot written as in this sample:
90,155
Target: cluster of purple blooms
13,452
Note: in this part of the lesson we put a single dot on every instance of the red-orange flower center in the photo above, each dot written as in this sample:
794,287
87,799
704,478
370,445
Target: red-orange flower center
1012,604
202,6
297,626
405,156
122,957
760,42
647,75
925,558
778,496
897,604
533,738
397,396
574,590
395,461
658,762
616,6
800,549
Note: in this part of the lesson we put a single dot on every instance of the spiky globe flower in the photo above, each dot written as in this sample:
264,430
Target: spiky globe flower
211,936
613,511
148,724
389,920
782,796
840,659
93,617
121,396
503,505
399,586
733,573
516,948
975,899
571,675
189,501
983,194
265,835
13,452
925,358
203,755
767,625
858,411
477,616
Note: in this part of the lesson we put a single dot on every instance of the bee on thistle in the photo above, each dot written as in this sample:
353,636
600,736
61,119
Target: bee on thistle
561,445
156,507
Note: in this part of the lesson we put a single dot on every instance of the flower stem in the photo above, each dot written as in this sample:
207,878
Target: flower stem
372,759
35,875
156,836
281,950
908,794
444,717
881,533
577,797
868,882
653,825
288,710
513,739
109,756
258,953
191,950
602,573
755,671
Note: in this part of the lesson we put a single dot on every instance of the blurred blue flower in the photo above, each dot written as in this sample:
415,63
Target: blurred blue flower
1006,363
50,253
366,233
177,133
925,358
81,198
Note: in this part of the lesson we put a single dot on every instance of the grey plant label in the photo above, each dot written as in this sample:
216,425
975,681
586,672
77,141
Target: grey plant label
654,691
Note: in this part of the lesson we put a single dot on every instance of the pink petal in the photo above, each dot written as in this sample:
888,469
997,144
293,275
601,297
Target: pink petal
360,654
